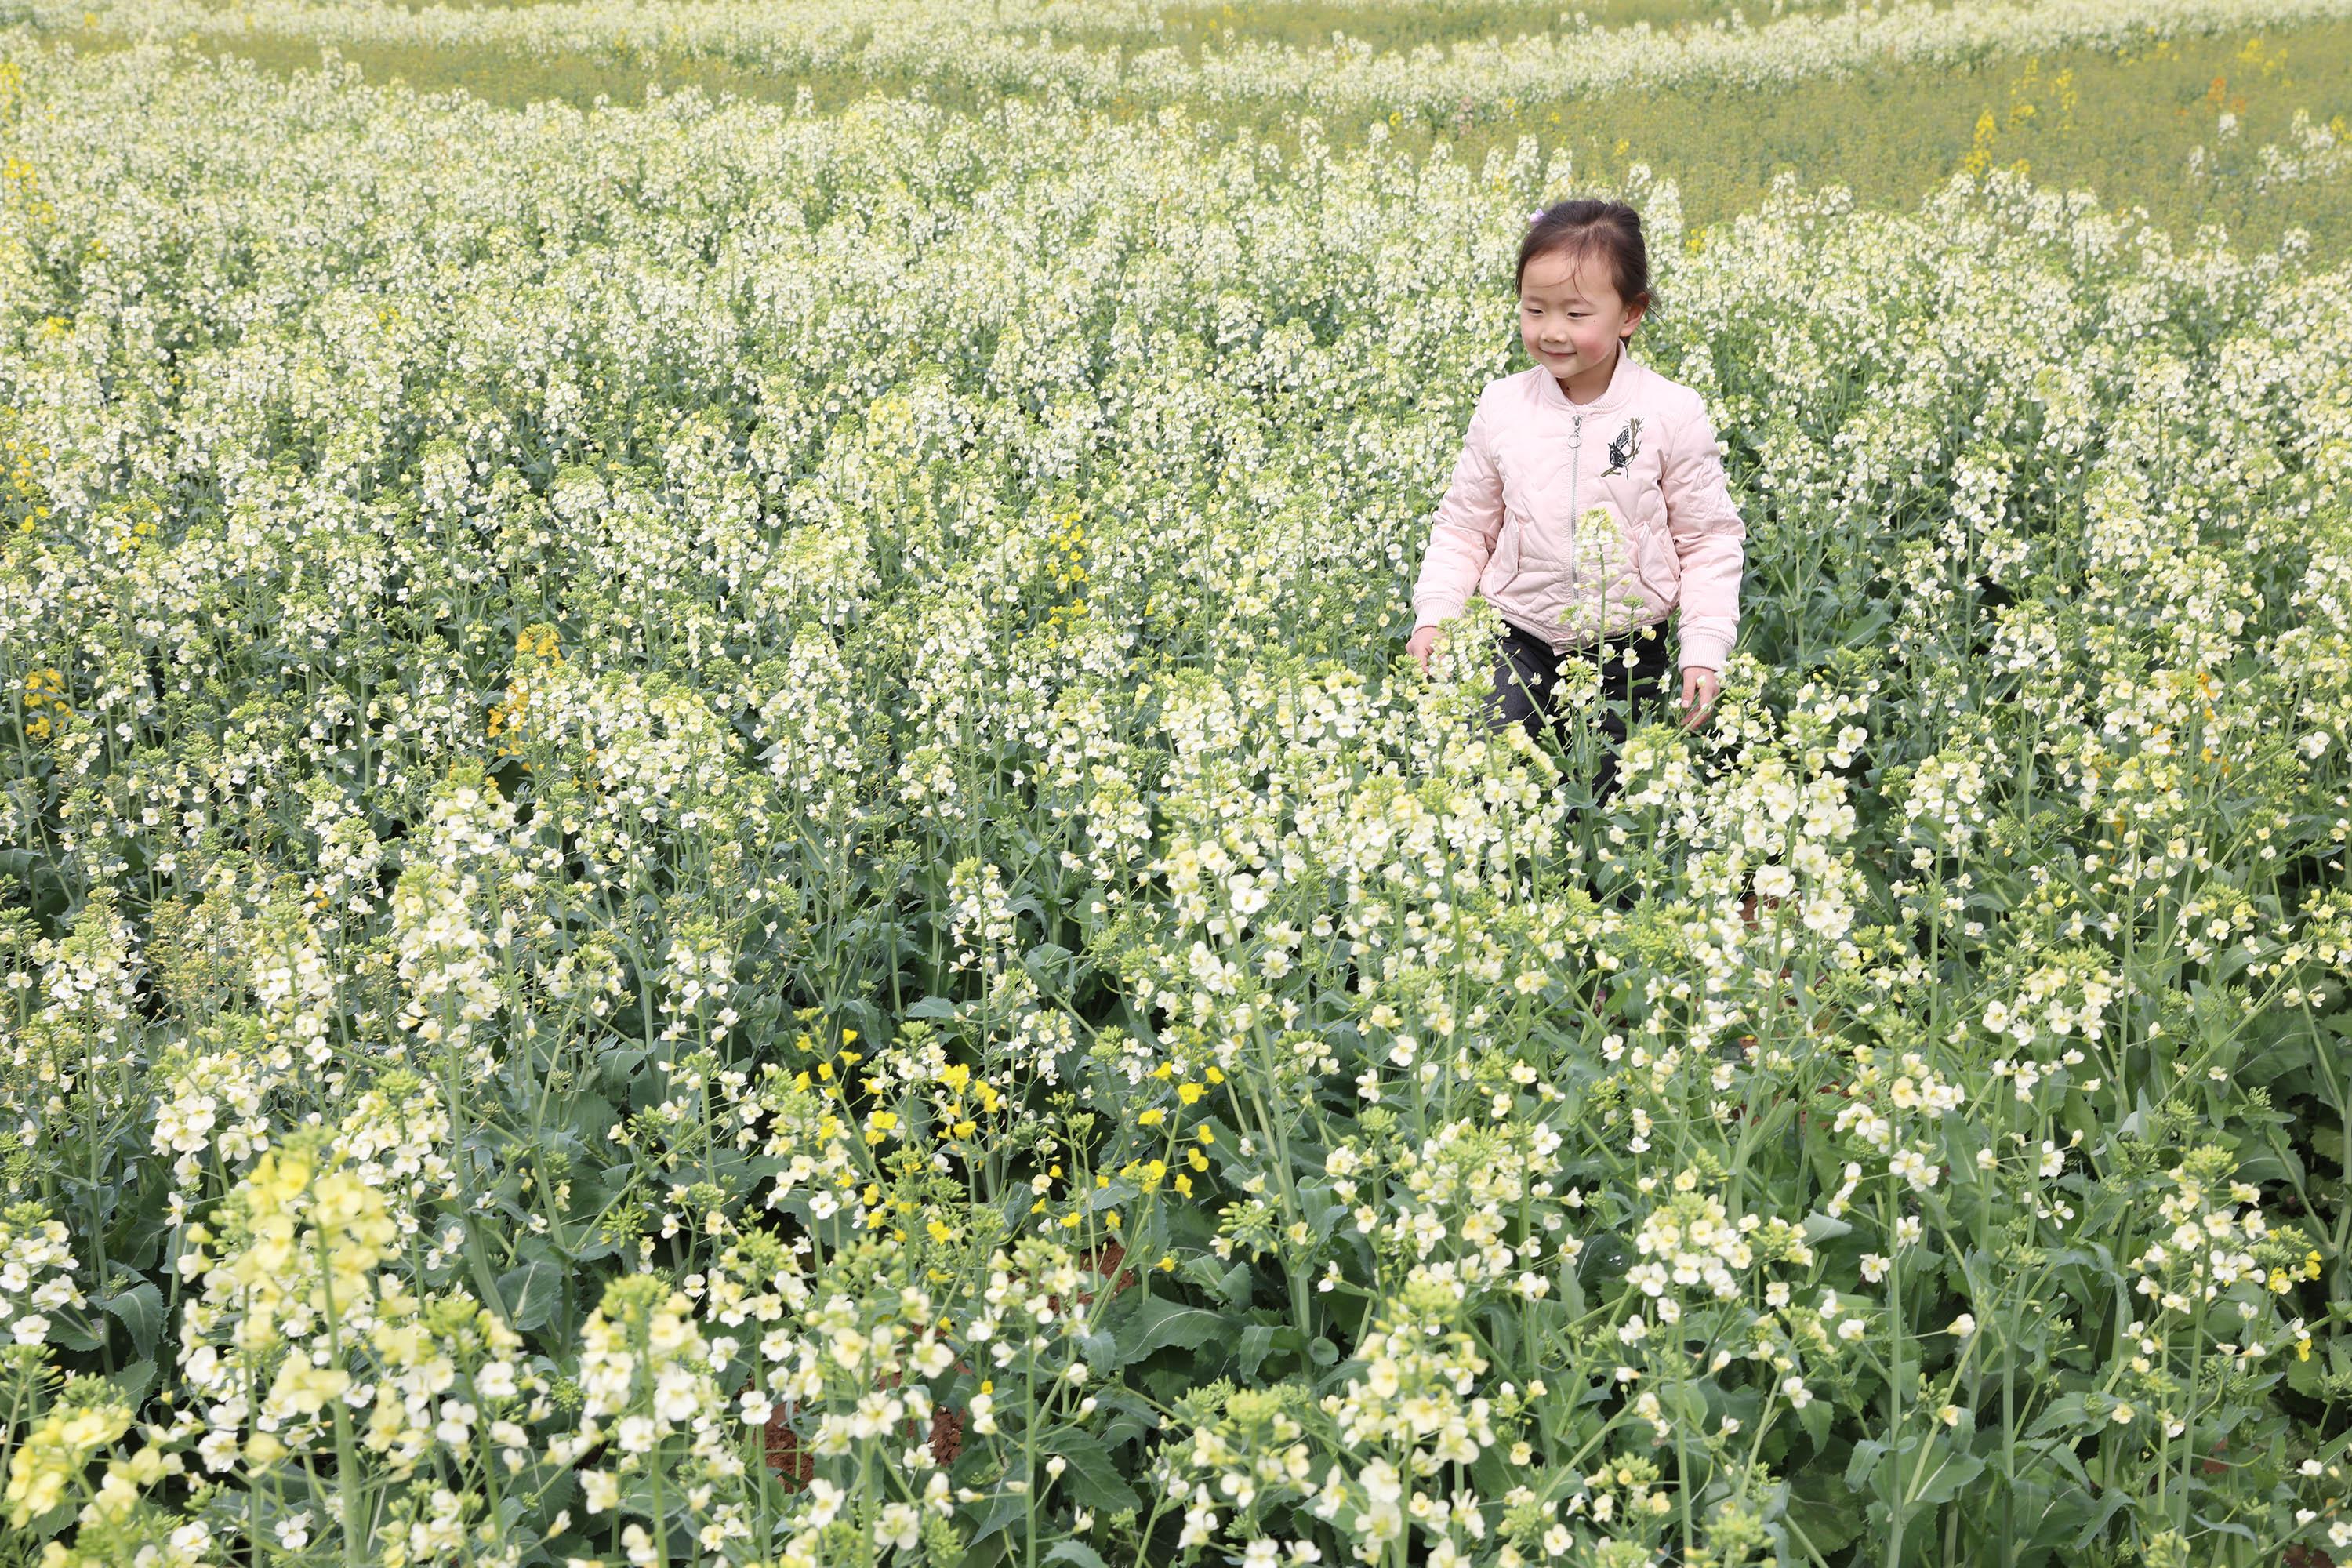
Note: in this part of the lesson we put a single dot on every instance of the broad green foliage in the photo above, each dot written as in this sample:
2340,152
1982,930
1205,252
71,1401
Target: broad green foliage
718,850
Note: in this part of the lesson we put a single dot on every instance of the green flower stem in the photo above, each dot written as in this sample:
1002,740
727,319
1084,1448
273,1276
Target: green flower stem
350,1493
1894,1360
2009,1438
1302,1306
1029,1452
1927,1448
2190,1455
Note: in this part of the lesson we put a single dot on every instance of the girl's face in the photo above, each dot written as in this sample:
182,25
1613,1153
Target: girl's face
1572,320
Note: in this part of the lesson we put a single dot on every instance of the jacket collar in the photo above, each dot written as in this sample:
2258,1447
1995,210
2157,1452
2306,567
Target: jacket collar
1619,390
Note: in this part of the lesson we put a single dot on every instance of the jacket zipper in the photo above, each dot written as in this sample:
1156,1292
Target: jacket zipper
1575,461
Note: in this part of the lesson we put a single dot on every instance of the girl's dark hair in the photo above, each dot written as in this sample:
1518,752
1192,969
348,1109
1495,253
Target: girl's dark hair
1583,227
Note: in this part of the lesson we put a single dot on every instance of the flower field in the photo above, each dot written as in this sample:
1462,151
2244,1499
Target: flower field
716,845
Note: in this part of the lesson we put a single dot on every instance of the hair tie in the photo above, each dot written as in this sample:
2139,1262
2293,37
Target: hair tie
1535,215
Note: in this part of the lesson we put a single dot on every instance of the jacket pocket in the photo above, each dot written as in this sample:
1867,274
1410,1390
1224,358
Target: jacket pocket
1504,563
1653,569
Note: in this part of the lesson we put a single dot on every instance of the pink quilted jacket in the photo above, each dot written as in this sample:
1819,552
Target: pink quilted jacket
1579,520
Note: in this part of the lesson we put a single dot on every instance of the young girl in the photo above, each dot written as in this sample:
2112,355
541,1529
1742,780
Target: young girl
1589,500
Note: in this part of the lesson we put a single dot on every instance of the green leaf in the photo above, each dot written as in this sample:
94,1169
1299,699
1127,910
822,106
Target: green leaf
1114,1196
1862,1469
1045,958
135,1381
1256,1339
1826,1514
1092,1480
1236,1286
1001,1511
2066,1412
41,1527
532,1293
72,1333
1077,1552
1948,1473
140,1307
1815,1419
2110,1503
932,1008
1157,1323
987,1551
1131,1420
1102,1352
1501,1329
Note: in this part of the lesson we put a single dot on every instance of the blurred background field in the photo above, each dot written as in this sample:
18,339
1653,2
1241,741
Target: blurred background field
2168,123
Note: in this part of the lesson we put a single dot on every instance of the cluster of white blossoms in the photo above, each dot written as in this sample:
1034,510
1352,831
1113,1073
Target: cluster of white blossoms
1786,835
450,965
1944,803
648,1382
2065,999
396,1136
816,751
37,1269
980,921
1691,1239
1417,1397
2221,1243
291,1303
211,1098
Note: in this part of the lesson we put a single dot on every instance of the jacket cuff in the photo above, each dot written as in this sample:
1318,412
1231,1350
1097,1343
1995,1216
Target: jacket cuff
1429,615
1704,649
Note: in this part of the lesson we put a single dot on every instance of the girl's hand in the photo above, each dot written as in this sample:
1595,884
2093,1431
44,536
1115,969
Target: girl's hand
1422,643
1699,687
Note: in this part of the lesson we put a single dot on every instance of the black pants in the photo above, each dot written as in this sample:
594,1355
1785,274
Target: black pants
1526,690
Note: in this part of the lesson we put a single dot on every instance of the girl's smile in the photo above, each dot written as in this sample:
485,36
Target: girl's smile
1572,320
